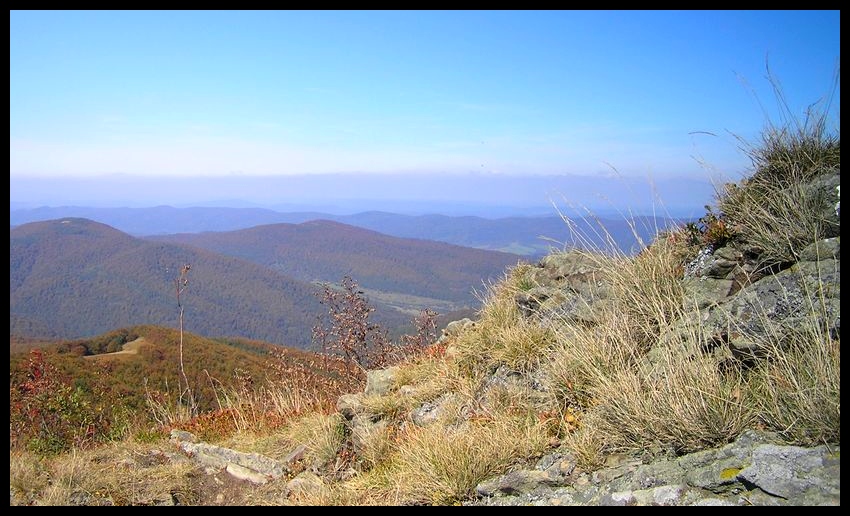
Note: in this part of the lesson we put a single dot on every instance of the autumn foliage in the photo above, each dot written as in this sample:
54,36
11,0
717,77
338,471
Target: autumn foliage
48,414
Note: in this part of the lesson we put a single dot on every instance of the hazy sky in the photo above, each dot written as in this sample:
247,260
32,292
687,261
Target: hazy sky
268,93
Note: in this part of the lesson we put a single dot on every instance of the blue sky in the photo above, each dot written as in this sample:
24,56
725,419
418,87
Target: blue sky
272,93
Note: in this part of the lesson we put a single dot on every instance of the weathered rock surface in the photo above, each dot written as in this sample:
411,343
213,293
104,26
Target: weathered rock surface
253,467
455,328
430,412
793,473
750,471
563,286
778,305
517,482
349,405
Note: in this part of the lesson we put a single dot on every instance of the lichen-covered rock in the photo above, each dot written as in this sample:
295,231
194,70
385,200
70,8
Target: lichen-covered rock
557,464
242,473
659,496
253,467
703,292
530,301
779,304
721,262
430,412
517,482
808,475
575,269
455,328
563,287
826,249
749,471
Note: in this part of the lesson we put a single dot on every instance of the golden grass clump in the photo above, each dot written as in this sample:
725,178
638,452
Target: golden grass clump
778,209
440,465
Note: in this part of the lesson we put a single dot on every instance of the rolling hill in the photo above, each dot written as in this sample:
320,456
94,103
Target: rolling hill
74,278
161,219
326,251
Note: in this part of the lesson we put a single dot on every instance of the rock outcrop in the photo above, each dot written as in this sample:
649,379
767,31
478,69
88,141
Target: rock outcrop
252,467
750,471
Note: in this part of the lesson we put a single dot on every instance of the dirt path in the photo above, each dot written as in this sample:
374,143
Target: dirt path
130,348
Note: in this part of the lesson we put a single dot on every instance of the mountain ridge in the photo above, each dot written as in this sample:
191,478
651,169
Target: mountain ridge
325,251
531,236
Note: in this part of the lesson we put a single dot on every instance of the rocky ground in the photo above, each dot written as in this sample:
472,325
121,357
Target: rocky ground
753,470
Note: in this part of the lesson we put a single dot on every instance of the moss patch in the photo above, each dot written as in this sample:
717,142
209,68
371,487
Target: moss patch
729,473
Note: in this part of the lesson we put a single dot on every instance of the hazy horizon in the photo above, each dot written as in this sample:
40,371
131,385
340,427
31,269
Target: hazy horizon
402,111
474,194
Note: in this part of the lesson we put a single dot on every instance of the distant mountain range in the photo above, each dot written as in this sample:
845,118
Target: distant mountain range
528,236
73,277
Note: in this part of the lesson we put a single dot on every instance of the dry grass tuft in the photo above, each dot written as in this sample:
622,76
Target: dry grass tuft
322,434
123,474
779,222
440,465
798,386
689,403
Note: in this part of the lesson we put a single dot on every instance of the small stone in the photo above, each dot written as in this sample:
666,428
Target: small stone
305,483
296,454
184,436
380,381
349,405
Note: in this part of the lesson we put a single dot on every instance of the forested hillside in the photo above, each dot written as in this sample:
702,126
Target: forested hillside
74,278
325,251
